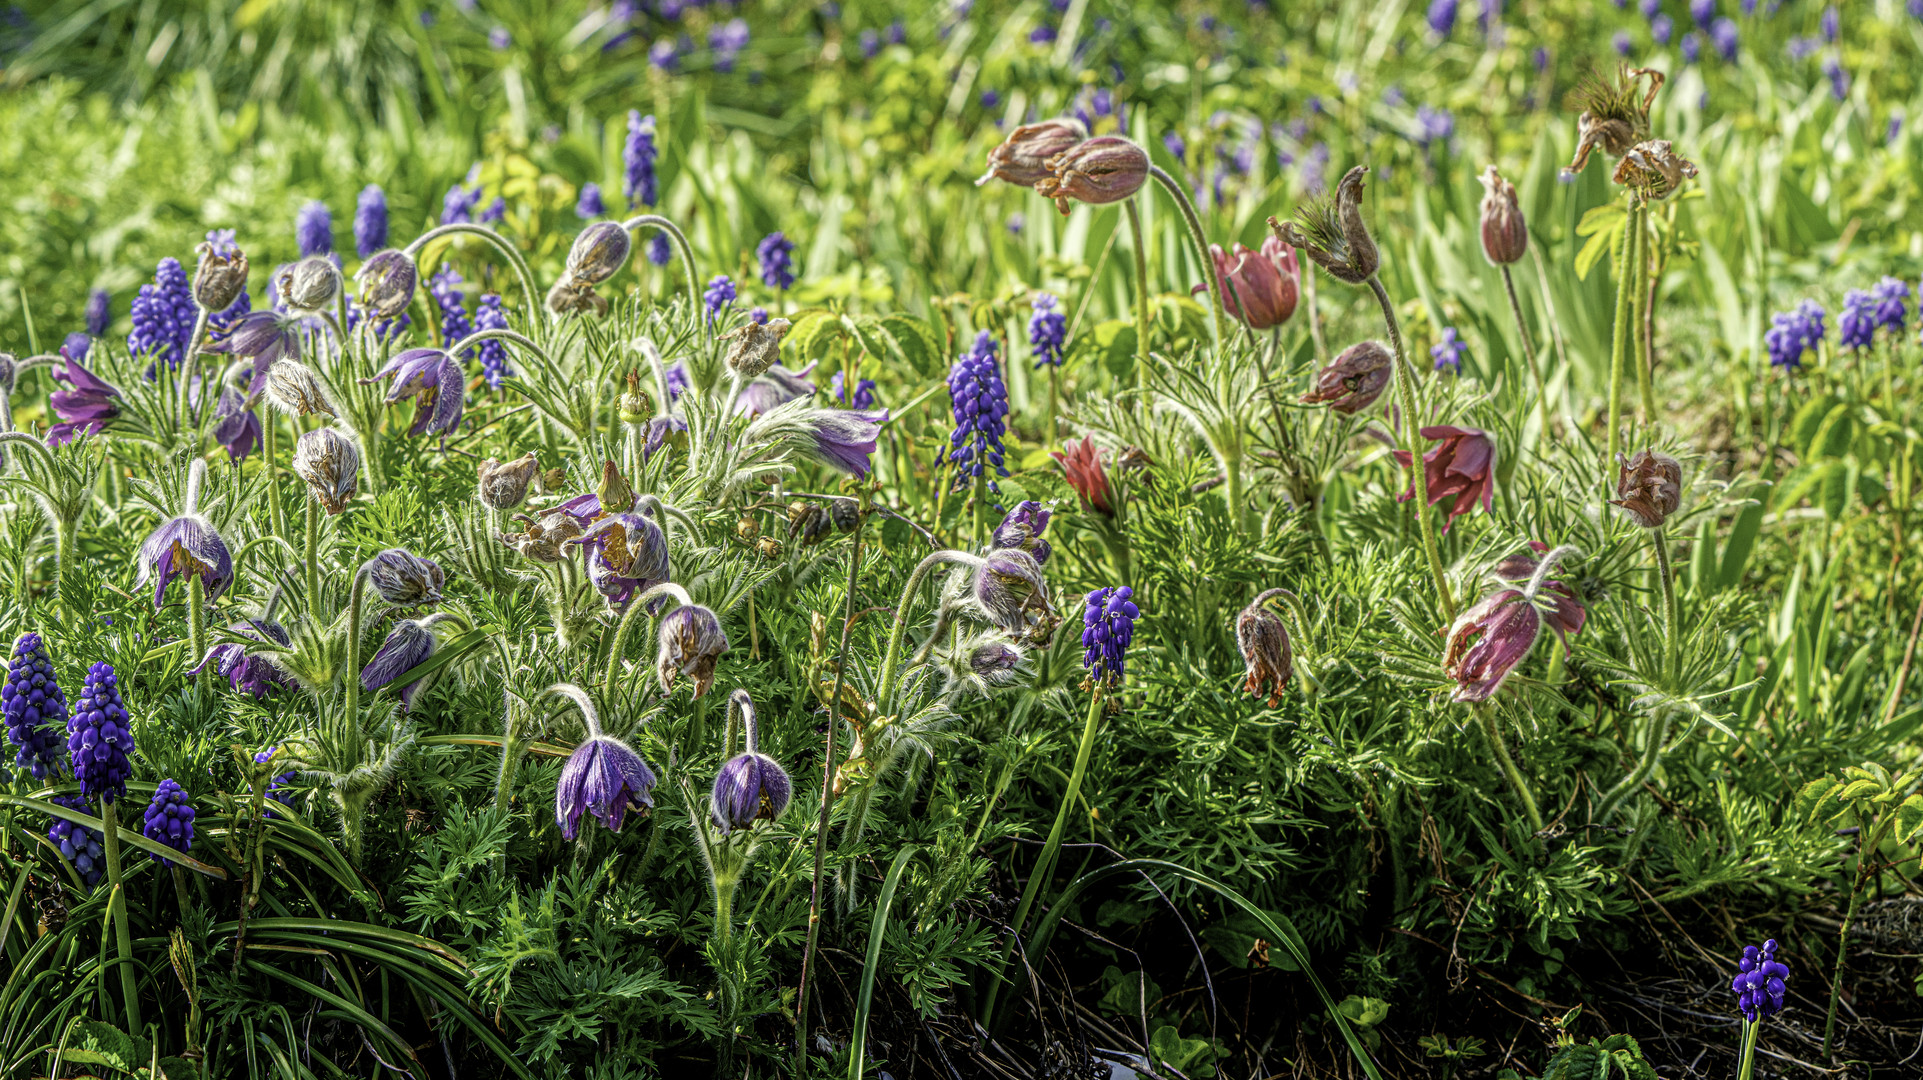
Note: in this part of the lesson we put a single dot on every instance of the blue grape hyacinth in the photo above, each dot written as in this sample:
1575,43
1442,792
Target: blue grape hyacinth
1759,982
78,844
99,313
1047,330
1448,352
314,229
1794,333
489,316
864,392
1892,304
370,221
719,296
589,206
169,819
99,736
34,706
776,253
446,289
980,402
278,785
1108,625
1857,327
638,180
164,315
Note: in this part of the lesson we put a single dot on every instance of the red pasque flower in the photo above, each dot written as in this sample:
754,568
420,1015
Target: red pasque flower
1463,466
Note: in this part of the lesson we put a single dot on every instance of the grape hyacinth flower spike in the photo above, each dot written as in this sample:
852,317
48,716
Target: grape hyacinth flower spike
187,547
1047,330
1108,626
169,819
638,179
980,402
34,707
99,736
603,778
1759,982
589,206
751,786
163,316
1793,333
277,785
77,844
691,641
775,253
314,229
99,313
370,221
1267,654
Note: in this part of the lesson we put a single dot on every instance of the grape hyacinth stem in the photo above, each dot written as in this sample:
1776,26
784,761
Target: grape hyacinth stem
123,936
1045,866
1747,1068
828,773
1405,381
535,307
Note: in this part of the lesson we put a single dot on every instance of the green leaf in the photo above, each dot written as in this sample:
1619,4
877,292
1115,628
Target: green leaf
916,342
1909,819
1604,226
812,333
1191,1057
94,1043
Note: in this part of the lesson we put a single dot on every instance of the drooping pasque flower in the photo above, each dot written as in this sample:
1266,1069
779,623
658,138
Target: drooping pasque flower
169,819
1649,486
99,737
246,670
1505,233
221,275
34,707
773,388
409,644
627,554
84,407
1008,585
78,844
844,439
751,786
775,253
1489,639
1268,657
1082,463
1047,330
370,221
1463,466
1108,625
163,316
691,641
186,547
1259,288
603,778
1097,171
1022,530
1022,158
266,337
310,286
387,282
1760,977
980,402
1354,380
436,383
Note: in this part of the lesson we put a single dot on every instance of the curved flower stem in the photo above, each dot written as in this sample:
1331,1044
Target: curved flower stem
196,620
536,309
1619,339
828,766
184,392
1200,238
511,741
503,334
1411,422
1141,294
687,264
1528,349
1486,716
310,557
682,516
892,657
123,937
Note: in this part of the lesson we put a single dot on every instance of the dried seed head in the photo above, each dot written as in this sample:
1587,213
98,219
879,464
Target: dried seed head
221,275
1267,654
1331,232
1613,112
755,346
503,486
1654,169
1649,486
636,406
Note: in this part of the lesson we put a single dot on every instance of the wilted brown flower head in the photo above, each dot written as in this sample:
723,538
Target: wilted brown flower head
1105,169
570,297
1611,115
1505,235
1357,377
756,347
546,538
221,275
330,463
1331,232
1266,651
503,485
1654,169
1022,158
1649,486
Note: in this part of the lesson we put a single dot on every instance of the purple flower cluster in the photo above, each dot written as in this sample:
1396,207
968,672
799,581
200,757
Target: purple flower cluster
314,229
777,266
489,316
864,392
1442,17
164,315
370,221
78,844
1867,311
1047,331
1759,981
457,206
277,787
639,182
590,206
446,289
1108,625
34,707
980,402
98,736
99,313
719,296
169,819
726,41
1794,333
1449,351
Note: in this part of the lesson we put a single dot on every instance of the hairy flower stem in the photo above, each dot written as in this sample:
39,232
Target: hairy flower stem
1141,295
276,513
310,557
1641,313
183,404
1672,649
686,251
1619,338
1486,716
1411,438
536,309
891,659
123,937
1200,238
351,679
828,771
1528,349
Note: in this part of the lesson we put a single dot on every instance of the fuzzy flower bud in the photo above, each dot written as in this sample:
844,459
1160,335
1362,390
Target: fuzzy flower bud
1649,486
1023,157
598,253
1105,169
387,283
295,389
1505,235
330,463
755,347
752,786
1357,377
503,485
310,286
404,579
1266,652
691,641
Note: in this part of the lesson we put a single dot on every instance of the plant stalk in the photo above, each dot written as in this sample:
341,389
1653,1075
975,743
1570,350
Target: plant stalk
1619,338
1528,349
1141,293
1200,238
1411,438
536,308
1645,374
1486,716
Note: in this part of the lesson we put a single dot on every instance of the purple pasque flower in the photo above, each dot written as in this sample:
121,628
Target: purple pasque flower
34,707
164,315
603,779
1793,333
751,786
245,670
864,392
1008,585
264,337
1022,530
436,383
494,363
314,229
773,388
980,402
169,819
589,205
1759,982
370,221
844,439
1488,640
99,313
78,844
1108,625
627,554
638,180
691,642
99,736
407,647
186,547
1047,330
775,253
84,407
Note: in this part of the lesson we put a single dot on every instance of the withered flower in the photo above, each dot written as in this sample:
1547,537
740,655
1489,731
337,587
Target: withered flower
1022,158
1649,486
1612,116
1654,169
1105,169
1331,232
1505,235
